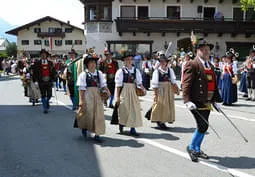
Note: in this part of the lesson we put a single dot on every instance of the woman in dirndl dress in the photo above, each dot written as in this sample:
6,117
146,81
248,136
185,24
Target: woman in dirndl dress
243,82
228,89
126,80
91,82
163,82
146,75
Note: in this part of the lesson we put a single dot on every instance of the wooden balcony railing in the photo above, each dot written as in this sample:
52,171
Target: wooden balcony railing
185,25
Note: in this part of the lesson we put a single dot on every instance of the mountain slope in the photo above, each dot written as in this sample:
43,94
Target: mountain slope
5,26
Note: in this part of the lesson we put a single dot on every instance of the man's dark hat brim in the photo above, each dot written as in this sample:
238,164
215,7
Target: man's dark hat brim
202,42
44,51
163,57
90,58
72,52
126,56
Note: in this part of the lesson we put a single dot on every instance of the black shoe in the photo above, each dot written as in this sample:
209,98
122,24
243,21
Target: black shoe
248,99
111,106
133,132
159,125
164,127
84,133
33,102
48,105
98,139
202,155
45,112
121,127
192,154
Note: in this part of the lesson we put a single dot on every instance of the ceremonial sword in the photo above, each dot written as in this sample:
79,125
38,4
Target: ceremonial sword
202,117
240,133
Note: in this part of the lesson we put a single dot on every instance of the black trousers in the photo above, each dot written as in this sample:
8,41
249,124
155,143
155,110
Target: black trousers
70,85
111,86
46,89
250,81
202,126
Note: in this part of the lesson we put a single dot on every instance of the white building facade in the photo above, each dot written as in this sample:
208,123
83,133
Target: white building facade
3,44
51,34
145,26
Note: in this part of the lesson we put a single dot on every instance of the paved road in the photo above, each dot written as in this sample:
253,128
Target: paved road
37,145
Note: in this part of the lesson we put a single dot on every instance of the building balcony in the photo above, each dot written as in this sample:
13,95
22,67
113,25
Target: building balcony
184,25
51,34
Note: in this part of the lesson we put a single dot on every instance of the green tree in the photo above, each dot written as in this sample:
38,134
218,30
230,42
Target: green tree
11,49
247,4
3,54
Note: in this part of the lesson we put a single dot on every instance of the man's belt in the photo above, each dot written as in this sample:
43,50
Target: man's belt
110,76
46,78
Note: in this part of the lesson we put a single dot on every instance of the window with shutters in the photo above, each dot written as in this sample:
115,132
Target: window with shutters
68,42
78,42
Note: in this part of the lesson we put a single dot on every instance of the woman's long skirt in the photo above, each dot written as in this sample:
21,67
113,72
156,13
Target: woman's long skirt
164,110
129,108
243,86
146,80
228,90
93,117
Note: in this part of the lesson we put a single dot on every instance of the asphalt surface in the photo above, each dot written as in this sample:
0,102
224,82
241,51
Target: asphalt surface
34,144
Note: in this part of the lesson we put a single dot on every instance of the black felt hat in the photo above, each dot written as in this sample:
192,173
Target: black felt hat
89,58
202,42
44,51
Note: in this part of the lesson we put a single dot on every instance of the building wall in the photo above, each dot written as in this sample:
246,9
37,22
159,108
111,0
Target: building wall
29,34
158,9
4,44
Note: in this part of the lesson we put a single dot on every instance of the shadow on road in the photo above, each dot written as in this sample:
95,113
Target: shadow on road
9,78
235,162
114,142
35,144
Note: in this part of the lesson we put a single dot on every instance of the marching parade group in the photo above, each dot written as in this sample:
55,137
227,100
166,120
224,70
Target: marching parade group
92,82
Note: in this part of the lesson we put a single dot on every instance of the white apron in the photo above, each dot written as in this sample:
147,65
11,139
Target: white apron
129,108
93,117
164,110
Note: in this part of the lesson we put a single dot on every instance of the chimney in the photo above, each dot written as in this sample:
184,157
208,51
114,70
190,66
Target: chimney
68,22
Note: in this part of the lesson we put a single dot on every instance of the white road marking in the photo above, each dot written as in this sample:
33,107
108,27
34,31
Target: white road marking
63,104
182,154
185,155
215,113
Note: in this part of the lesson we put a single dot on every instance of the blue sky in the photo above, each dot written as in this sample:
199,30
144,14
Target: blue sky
20,12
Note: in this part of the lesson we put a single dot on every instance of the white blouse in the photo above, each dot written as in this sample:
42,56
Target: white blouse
149,64
155,77
233,66
119,76
81,81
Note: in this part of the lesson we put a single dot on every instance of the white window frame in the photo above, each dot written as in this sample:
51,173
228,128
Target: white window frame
244,12
136,8
180,5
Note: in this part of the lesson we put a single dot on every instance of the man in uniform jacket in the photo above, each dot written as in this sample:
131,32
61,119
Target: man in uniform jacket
200,90
44,74
109,67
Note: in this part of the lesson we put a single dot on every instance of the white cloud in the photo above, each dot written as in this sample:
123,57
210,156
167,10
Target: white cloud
20,12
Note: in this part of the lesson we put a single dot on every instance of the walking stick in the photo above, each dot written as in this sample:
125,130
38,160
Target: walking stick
202,117
240,133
